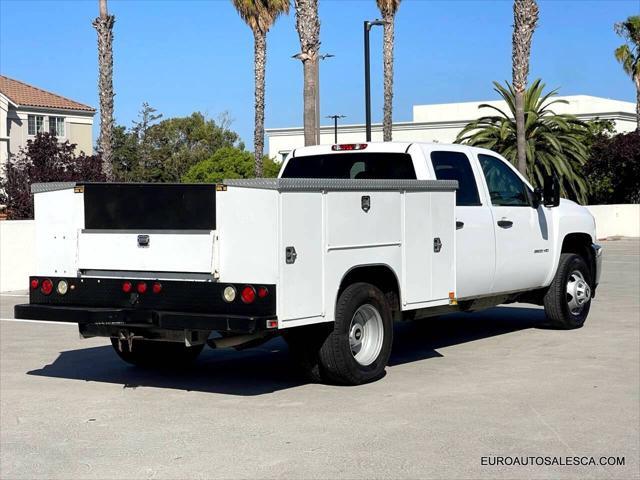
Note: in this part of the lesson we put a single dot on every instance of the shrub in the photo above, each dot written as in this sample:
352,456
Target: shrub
613,169
43,159
228,162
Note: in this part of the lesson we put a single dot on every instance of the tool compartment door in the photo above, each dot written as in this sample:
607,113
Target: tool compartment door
301,293
148,227
429,248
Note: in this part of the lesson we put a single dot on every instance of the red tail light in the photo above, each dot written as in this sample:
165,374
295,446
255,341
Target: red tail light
248,294
263,292
34,283
142,287
348,146
157,287
127,287
47,287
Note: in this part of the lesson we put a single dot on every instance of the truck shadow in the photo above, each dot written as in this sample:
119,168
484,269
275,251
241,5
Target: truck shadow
267,369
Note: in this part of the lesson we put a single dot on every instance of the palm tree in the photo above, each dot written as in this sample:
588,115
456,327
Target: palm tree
554,142
388,9
628,54
104,26
525,17
308,26
260,15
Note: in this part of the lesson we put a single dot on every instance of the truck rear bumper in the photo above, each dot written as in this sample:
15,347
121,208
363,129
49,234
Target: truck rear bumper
124,317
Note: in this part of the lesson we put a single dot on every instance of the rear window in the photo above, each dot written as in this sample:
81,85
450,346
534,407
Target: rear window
456,166
397,166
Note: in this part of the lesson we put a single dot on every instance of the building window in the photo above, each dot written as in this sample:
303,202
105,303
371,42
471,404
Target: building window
56,126
35,124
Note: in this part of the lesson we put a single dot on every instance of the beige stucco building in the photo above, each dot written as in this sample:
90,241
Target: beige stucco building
442,122
26,110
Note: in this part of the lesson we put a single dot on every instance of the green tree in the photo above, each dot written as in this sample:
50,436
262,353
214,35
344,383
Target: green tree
228,162
628,54
126,158
260,15
388,9
554,142
525,18
179,143
164,151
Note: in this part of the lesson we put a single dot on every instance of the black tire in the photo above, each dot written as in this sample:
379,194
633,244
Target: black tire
337,362
557,300
157,354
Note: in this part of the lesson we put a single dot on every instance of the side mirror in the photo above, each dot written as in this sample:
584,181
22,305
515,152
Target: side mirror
551,191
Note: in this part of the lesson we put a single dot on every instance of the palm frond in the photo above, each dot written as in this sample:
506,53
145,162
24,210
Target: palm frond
553,141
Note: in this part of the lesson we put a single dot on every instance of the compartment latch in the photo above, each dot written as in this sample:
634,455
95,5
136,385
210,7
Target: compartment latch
437,245
290,255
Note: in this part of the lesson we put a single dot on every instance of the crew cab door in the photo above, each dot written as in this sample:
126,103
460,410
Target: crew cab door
522,233
475,243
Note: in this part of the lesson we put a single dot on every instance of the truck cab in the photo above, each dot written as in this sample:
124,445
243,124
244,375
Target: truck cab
348,238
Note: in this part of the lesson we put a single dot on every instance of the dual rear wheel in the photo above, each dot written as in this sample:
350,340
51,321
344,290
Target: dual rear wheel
352,350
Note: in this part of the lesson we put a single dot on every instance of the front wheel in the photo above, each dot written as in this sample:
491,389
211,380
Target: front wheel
156,354
568,299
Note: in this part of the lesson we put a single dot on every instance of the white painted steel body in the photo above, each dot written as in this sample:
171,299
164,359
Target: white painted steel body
332,234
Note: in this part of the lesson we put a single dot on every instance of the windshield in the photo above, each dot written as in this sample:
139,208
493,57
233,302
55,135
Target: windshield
352,165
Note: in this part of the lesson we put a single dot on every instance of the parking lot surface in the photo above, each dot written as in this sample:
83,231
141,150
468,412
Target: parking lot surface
458,388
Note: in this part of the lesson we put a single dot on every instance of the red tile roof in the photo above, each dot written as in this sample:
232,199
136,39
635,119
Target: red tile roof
29,96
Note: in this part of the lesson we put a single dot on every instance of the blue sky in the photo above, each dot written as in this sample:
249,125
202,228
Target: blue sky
183,56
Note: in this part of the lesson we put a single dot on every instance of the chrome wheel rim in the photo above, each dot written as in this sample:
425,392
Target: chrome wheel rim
578,292
366,334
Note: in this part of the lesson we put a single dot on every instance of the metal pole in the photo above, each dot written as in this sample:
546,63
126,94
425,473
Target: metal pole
367,79
335,126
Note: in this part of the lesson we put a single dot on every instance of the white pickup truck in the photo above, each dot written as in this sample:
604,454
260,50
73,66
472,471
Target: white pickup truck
348,239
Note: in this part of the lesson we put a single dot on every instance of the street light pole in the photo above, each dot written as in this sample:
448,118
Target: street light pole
335,126
367,75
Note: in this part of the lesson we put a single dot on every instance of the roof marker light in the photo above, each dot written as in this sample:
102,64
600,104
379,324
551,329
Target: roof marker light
348,146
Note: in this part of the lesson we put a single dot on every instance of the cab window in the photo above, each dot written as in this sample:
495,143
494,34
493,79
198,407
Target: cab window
505,187
456,166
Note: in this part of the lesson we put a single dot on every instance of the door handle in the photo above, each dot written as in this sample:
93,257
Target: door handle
459,224
504,223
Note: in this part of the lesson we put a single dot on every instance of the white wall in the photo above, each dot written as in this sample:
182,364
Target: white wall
17,254
616,220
